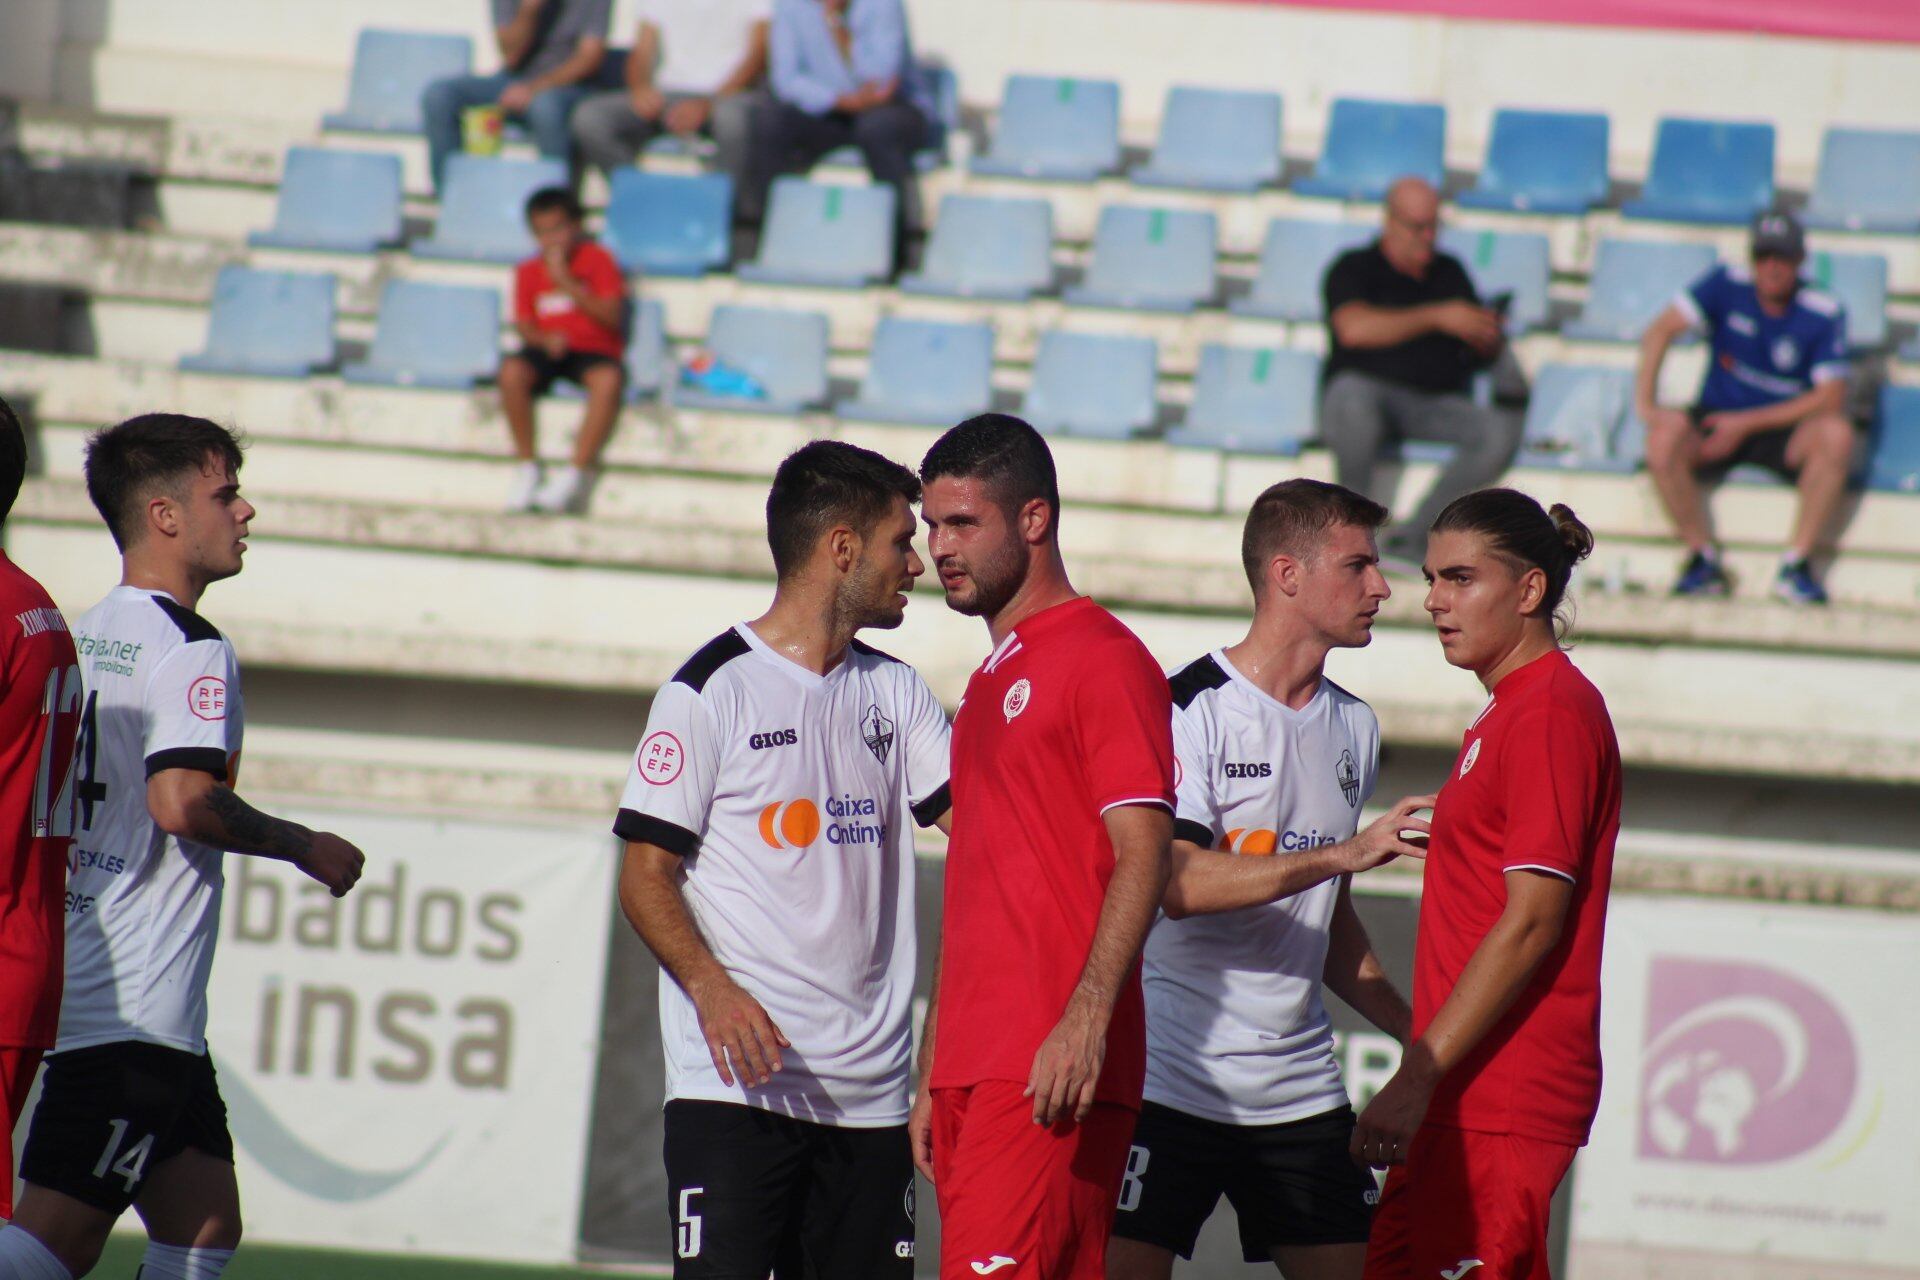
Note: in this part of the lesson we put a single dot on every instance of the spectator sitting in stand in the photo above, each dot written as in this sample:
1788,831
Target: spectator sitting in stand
1408,333
842,74
696,68
1775,396
551,50
569,305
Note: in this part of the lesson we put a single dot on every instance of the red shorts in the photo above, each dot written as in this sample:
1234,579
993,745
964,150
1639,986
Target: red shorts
1020,1202
17,1066
1464,1197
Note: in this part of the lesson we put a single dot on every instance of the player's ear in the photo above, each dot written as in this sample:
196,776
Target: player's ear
1283,575
843,546
163,514
1533,589
1036,521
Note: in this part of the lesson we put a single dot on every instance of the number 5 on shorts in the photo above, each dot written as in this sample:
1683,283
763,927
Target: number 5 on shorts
129,1165
688,1231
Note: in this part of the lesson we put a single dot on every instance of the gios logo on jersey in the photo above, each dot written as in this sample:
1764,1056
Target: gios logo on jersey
778,738
1261,770
847,820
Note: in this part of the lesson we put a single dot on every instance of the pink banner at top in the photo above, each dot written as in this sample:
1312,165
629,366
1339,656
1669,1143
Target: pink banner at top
1886,20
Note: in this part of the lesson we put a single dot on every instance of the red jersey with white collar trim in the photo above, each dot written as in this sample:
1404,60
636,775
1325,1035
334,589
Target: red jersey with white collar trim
1068,718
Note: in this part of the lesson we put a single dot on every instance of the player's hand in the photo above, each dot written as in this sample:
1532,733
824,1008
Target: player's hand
1385,1129
920,1130
1724,434
689,115
741,1038
516,97
1067,1067
1382,842
648,102
554,344
333,862
557,270
1474,325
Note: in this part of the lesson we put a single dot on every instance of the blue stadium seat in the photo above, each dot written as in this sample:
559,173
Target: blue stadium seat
1149,260
483,208
784,351
987,247
1707,171
823,233
1582,419
1895,464
1859,280
926,372
1543,162
432,335
391,69
1215,140
335,201
1093,385
647,362
1513,262
670,224
1293,263
1869,180
1369,144
274,324
1055,129
1633,281
1252,400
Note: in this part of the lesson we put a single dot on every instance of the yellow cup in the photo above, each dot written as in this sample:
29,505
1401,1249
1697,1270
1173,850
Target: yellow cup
481,129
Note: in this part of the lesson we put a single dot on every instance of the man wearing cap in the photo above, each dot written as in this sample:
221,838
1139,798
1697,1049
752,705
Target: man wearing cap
1774,396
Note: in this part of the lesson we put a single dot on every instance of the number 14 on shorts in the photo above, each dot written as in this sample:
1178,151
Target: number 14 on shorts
132,1163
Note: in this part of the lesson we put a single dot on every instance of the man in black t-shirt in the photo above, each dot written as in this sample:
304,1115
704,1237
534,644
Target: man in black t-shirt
1408,334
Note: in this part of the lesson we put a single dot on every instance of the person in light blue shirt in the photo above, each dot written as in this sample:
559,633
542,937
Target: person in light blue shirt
1774,396
842,74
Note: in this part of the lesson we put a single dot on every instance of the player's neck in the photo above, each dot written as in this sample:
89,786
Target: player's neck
808,632
150,573
1534,644
1282,661
1046,585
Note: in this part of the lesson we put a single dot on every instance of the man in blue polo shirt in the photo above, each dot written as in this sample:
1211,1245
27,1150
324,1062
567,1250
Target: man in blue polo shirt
1775,396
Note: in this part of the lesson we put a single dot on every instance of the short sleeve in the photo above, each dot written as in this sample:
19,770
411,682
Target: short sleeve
670,780
595,17
1123,722
1346,281
192,709
1704,302
1551,771
1830,358
1196,808
929,755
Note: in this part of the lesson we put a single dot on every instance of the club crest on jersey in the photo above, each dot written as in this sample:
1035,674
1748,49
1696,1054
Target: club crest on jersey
1349,775
1467,761
1017,698
1785,353
877,732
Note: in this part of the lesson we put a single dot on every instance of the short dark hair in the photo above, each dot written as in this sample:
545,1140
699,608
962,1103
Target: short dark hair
1526,536
825,483
152,453
1003,451
13,457
1290,517
547,199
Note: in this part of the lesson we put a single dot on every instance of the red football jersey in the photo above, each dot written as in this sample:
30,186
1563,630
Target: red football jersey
1536,785
1068,718
40,707
538,303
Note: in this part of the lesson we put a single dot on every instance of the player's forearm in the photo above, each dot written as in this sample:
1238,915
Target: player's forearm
1824,397
643,59
604,311
1354,973
655,907
1362,324
932,1022
529,332
201,809
1499,970
1204,881
1132,900
1653,354
751,69
583,63
516,37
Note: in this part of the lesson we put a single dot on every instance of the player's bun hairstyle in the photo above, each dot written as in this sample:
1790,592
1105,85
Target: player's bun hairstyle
13,457
1520,532
1006,453
129,464
547,199
1291,517
827,483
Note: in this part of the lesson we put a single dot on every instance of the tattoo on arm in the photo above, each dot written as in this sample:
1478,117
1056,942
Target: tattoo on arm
247,830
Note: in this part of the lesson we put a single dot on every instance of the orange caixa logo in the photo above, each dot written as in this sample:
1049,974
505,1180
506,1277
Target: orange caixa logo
1255,841
790,824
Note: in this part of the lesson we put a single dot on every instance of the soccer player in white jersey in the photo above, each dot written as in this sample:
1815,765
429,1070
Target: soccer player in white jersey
130,1112
1243,1096
769,820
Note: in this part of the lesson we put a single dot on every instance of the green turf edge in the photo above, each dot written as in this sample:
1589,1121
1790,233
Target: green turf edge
278,1262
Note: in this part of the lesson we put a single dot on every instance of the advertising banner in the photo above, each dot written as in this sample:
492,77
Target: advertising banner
1759,1118
1837,20
410,1068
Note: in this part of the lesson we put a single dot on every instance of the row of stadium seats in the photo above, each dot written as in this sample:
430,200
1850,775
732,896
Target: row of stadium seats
984,247
1244,399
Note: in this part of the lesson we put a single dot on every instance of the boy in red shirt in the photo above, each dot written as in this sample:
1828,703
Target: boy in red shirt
1062,791
570,306
1499,1088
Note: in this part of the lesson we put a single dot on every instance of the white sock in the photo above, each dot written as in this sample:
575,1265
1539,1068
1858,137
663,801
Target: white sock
24,1257
173,1262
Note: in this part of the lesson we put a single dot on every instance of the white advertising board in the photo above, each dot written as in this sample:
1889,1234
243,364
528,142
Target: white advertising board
411,1068
1760,1119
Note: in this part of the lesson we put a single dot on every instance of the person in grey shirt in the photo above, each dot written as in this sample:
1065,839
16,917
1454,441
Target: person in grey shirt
552,52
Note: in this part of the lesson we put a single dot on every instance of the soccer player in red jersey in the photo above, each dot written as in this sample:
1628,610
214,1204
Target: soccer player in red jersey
1499,1088
40,701
1062,817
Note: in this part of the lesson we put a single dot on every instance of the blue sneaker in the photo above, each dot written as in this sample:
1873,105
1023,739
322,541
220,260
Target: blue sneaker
1795,584
1703,576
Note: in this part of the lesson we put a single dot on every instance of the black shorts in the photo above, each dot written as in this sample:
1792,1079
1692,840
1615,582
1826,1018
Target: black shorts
572,367
110,1114
1761,449
1289,1184
751,1192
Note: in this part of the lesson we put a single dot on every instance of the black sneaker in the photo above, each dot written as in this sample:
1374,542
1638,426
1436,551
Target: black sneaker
1703,576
